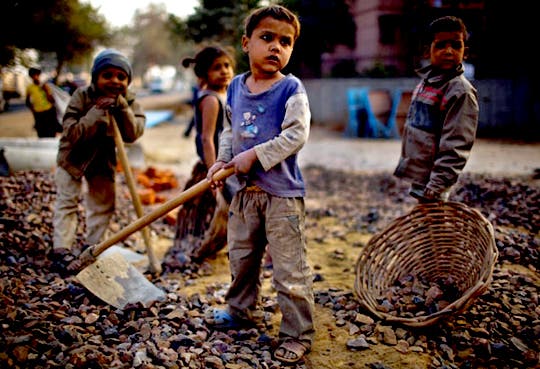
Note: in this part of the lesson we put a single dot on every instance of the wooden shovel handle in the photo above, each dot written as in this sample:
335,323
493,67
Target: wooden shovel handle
154,265
90,254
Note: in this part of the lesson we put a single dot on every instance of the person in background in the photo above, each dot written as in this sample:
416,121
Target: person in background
68,84
194,93
87,150
442,120
40,101
214,68
268,124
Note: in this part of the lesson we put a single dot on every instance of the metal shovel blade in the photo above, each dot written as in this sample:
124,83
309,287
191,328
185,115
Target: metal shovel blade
118,283
139,261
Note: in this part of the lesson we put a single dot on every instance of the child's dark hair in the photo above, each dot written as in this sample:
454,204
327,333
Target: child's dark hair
273,11
447,24
203,59
34,72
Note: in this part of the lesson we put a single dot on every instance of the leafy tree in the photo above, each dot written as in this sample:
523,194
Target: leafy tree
153,40
66,28
152,44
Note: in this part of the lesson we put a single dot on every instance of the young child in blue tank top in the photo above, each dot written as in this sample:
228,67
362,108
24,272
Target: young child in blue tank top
214,67
269,119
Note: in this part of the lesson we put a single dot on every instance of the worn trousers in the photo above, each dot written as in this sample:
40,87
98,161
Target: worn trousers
256,219
99,204
46,123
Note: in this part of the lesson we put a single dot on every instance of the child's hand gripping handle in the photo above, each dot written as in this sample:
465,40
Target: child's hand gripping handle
92,252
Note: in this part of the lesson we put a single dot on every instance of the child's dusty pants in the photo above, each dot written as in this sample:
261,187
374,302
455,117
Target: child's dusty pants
255,219
99,202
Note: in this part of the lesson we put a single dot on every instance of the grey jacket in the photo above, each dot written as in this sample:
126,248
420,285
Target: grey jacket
439,131
87,143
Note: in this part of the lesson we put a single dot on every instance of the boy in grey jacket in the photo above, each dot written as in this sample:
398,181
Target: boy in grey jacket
443,117
87,150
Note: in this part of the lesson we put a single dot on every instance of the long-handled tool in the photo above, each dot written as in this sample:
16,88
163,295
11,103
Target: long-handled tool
112,278
153,263
89,255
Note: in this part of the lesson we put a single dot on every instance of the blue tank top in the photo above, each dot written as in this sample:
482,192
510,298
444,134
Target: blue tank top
198,122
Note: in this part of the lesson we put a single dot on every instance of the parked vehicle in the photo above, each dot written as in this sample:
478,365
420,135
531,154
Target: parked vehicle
159,79
14,82
3,102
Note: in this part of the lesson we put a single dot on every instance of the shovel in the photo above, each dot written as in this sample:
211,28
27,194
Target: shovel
153,265
118,282
114,280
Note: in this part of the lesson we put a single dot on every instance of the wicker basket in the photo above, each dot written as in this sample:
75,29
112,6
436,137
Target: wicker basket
432,241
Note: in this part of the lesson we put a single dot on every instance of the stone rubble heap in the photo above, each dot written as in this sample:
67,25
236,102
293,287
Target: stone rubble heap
48,320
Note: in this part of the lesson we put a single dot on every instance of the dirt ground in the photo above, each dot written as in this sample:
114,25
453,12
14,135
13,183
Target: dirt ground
164,146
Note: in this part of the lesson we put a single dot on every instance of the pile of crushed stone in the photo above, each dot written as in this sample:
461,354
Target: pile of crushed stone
48,320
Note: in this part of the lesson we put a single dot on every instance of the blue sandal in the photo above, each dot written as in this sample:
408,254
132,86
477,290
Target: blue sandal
222,320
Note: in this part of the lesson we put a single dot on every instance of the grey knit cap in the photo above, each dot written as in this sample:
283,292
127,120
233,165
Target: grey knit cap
111,58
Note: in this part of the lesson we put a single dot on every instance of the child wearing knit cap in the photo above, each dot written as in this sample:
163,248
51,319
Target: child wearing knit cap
87,151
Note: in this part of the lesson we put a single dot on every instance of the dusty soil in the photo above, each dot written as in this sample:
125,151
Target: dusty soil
333,248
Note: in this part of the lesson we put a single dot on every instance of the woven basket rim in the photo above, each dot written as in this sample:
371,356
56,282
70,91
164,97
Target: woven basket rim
379,252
